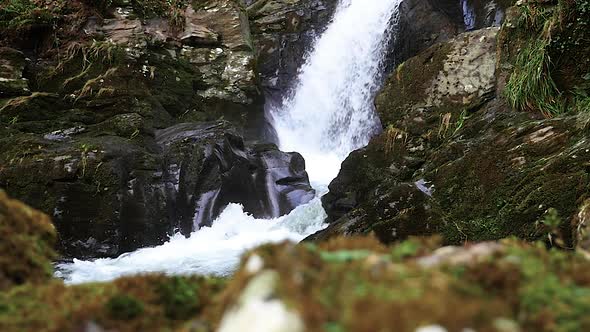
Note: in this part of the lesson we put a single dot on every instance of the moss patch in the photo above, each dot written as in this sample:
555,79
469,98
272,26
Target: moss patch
27,244
127,304
495,285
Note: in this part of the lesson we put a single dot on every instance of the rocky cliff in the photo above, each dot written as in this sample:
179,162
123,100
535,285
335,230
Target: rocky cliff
125,120
484,137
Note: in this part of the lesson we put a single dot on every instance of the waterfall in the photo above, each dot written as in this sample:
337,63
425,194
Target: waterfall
330,111
328,114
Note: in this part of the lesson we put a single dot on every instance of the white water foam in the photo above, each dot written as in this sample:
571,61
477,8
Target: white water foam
328,115
212,250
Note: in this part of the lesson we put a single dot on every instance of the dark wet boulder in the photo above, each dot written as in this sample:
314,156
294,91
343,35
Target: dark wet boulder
210,167
422,24
109,193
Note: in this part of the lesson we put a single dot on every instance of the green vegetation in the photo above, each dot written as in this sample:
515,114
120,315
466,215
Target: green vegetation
27,244
179,297
170,9
531,86
124,307
16,14
392,136
550,67
127,304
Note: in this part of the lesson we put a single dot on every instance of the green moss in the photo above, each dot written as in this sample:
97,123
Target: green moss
124,307
27,244
16,14
344,255
127,304
179,297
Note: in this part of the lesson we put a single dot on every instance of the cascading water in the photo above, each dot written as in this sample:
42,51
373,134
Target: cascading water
328,115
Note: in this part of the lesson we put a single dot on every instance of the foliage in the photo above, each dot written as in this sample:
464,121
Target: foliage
126,304
548,73
531,86
392,136
171,9
20,13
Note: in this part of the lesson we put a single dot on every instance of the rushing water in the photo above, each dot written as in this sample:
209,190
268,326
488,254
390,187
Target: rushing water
328,114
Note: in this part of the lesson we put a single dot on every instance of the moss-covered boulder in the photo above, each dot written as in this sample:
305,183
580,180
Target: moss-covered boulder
27,246
412,286
142,303
456,159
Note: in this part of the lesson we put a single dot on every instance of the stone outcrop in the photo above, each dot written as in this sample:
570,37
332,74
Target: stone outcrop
113,193
283,31
140,125
12,65
456,160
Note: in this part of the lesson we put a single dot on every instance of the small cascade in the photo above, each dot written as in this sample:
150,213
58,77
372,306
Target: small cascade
330,112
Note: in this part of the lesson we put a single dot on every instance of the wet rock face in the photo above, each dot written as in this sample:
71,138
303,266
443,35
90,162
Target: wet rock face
456,160
478,14
210,167
422,24
283,30
207,63
12,65
110,194
135,129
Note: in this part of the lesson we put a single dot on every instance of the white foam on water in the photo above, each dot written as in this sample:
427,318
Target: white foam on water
214,250
328,114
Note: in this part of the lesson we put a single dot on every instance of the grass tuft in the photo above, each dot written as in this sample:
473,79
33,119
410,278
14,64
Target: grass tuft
531,86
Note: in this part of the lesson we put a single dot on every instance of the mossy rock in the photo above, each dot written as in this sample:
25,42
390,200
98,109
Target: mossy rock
126,304
27,246
456,159
417,284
